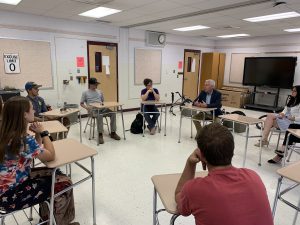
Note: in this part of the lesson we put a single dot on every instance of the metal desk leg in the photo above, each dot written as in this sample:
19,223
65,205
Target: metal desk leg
123,122
246,145
276,196
154,207
165,119
214,116
160,118
260,144
286,149
180,124
173,218
191,123
93,190
52,198
296,215
80,128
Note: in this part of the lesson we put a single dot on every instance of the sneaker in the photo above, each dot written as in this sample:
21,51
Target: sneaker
101,141
114,135
264,142
152,131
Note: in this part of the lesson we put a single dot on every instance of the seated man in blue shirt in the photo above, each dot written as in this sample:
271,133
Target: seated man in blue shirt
150,94
38,102
208,98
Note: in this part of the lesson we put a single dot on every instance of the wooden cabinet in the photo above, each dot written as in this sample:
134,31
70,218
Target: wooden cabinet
212,67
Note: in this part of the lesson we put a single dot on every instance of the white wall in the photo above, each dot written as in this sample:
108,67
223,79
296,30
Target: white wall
284,43
68,40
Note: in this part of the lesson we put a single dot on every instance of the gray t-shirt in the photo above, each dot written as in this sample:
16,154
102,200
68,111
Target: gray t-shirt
90,96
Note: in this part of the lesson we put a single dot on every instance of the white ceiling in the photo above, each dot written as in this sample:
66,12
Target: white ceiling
162,15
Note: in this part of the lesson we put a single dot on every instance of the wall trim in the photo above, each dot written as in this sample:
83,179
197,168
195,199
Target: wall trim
259,46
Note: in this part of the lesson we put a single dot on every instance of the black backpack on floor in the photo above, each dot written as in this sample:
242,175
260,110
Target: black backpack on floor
137,125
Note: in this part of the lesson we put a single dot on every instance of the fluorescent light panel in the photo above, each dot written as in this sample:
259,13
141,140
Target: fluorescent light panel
99,12
233,35
277,16
10,2
198,27
293,30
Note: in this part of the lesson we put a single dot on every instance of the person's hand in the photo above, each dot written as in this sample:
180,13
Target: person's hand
36,128
203,105
194,158
150,90
291,118
281,115
197,104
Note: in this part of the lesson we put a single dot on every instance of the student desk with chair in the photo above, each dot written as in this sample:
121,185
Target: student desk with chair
290,173
52,126
193,109
117,108
62,113
164,186
247,121
68,151
294,132
158,103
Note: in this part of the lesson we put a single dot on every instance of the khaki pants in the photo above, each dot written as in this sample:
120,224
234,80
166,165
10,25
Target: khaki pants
199,117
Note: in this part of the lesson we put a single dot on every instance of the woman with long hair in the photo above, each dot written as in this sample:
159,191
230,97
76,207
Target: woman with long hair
17,151
290,114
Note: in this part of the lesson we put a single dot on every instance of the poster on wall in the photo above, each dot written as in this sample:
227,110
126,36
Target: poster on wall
11,63
80,61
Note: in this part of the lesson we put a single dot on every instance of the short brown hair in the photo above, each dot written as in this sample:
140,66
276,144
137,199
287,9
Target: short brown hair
216,144
147,81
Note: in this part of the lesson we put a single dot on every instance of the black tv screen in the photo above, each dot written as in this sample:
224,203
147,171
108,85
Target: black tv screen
269,71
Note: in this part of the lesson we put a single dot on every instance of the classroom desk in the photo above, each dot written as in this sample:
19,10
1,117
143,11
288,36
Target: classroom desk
61,114
247,121
162,105
165,186
69,151
194,109
294,132
52,126
117,107
291,173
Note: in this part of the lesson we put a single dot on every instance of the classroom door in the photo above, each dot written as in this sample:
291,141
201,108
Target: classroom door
103,65
191,73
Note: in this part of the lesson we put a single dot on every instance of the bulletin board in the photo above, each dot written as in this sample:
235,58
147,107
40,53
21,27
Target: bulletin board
35,63
147,64
238,61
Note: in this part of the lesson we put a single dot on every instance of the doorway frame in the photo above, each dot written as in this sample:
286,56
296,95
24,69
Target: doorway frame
198,78
117,62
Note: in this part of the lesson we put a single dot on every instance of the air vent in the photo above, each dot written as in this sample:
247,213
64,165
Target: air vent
155,39
93,2
102,21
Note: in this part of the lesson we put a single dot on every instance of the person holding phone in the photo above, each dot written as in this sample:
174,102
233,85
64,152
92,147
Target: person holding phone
150,94
228,195
208,98
282,120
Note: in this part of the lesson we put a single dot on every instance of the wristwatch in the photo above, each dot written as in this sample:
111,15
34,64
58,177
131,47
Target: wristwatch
44,133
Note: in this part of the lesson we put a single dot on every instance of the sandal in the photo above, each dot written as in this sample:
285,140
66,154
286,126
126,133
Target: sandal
274,161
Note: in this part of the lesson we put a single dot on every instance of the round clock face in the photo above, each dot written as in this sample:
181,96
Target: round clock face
161,38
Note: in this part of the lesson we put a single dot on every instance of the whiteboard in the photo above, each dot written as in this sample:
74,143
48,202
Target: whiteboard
238,61
147,64
35,63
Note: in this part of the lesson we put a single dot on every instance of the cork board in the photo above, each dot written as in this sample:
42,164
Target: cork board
35,63
147,64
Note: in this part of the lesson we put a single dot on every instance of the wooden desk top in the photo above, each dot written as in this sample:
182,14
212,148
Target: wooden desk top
195,108
105,105
69,151
153,102
58,113
291,172
165,186
295,132
52,126
241,119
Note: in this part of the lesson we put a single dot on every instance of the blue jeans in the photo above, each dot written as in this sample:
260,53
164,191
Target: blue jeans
151,115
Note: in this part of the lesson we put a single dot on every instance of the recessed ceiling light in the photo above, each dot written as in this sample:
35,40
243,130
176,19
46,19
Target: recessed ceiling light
233,35
99,12
293,30
277,16
198,27
10,2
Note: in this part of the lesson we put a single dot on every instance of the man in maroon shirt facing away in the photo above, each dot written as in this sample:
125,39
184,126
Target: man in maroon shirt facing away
228,195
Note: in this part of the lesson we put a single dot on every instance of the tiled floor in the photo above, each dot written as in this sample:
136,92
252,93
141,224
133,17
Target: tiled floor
123,170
